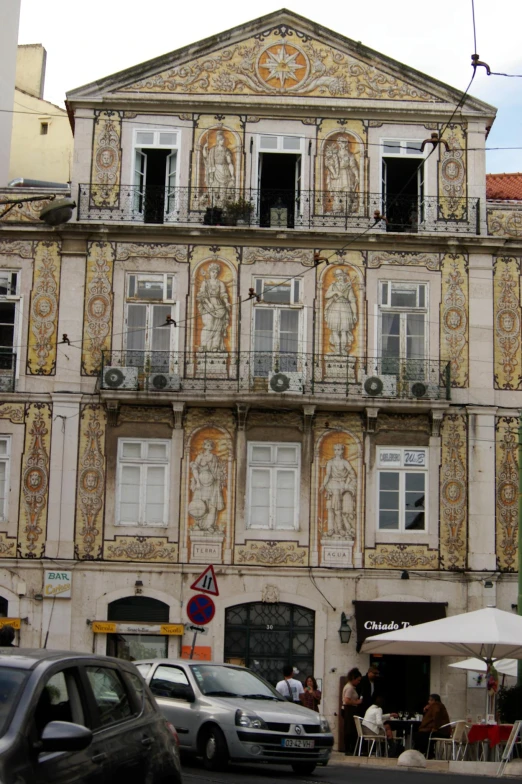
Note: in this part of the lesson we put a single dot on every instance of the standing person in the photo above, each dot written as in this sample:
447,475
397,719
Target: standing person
369,688
290,688
351,702
435,716
311,695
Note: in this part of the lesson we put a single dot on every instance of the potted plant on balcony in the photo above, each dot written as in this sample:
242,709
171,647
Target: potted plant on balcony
238,212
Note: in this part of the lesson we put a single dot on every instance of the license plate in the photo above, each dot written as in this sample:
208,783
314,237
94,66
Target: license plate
297,743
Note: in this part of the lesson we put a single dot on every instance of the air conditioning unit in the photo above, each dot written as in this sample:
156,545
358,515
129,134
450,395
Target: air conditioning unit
286,382
379,386
159,382
421,389
120,377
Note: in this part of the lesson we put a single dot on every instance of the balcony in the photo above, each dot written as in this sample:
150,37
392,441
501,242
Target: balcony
259,373
277,209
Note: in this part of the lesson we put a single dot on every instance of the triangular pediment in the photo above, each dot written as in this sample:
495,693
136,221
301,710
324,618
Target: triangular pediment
278,55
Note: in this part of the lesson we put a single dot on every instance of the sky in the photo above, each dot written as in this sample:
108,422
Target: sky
87,41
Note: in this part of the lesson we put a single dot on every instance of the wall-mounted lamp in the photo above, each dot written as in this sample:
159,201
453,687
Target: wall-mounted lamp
405,575
488,583
345,630
138,586
38,597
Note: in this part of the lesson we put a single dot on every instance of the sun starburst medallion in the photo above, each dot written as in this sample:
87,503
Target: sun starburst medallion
283,65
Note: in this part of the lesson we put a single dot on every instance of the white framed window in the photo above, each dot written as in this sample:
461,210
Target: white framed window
142,483
5,461
155,174
10,321
399,147
279,291
277,325
403,322
273,485
402,489
150,302
403,184
272,143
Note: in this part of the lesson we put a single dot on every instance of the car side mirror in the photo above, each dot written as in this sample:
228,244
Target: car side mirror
65,736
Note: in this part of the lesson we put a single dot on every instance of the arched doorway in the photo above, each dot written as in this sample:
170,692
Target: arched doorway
134,644
265,637
4,605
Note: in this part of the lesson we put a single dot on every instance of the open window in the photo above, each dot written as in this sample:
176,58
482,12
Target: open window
148,336
279,180
403,184
403,328
277,326
155,175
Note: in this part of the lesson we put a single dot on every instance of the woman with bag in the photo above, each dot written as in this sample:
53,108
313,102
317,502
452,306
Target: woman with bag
350,703
311,695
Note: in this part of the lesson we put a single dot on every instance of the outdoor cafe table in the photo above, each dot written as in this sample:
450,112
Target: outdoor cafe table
406,727
492,734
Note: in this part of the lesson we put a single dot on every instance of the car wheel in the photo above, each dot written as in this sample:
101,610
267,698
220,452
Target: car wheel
303,768
214,749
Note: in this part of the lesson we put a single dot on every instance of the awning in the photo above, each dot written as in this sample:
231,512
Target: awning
373,618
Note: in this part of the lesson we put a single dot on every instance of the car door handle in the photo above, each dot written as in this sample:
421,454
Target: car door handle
99,758
147,742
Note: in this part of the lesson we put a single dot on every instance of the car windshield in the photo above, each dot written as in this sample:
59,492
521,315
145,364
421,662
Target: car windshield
11,684
222,681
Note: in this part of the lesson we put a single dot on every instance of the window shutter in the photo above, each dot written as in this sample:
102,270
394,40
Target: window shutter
155,495
285,499
130,494
260,497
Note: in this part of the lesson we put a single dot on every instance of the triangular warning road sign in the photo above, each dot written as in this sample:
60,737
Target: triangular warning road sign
206,582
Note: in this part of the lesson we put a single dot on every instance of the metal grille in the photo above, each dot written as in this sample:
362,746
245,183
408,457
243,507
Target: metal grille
265,637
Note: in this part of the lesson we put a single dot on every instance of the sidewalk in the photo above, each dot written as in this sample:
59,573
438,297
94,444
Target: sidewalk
467,768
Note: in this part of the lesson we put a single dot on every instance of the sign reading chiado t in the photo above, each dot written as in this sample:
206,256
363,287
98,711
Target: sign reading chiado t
57,584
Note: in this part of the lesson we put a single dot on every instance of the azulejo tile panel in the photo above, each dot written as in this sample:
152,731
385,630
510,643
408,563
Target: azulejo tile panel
98,306
15,413
506,323
43,315
454,322
106,159
90,491
34,496
271,554
507,489
401,556
505,223
453,492
148,549
452,174
281,61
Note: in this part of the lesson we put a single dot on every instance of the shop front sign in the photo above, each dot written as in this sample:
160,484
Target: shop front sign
14,622
378,617
120,627
57,584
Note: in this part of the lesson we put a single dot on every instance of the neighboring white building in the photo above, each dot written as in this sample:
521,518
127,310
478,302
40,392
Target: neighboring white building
281,337
8,42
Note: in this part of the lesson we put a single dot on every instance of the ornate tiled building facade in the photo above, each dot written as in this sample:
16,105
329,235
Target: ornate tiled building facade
276,339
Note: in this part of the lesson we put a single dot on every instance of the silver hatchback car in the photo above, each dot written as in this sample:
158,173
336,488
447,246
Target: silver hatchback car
224,712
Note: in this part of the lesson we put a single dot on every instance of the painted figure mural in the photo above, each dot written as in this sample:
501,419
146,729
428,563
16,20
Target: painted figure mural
340,488
208,480
341,312
219,168
214,307
342,174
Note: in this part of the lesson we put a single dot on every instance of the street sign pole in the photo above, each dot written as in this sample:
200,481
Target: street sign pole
193,645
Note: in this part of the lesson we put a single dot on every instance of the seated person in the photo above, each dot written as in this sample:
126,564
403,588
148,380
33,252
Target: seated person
435,716
374,718
395,746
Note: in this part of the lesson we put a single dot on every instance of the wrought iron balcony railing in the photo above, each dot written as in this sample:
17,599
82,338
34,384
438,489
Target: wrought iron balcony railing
275,373
7,370
277,209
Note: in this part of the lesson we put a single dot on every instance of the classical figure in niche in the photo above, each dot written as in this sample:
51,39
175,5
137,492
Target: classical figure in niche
219,168
341,312
340,488
214,307
207,483
342,175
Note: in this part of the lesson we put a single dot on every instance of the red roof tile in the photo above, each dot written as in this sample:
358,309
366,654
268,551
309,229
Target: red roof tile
504,186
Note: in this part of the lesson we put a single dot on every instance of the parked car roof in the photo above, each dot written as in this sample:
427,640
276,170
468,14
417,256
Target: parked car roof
27,658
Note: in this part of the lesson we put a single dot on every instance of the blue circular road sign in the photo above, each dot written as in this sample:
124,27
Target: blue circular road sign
201,609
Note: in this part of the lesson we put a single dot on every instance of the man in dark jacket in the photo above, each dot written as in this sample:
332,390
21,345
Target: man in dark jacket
435,717
369,689
7,635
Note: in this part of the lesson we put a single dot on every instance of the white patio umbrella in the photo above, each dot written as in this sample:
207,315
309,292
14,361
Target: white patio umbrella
486,634
502,666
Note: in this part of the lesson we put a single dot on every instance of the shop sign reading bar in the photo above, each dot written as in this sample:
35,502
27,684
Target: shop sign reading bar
57,584
117,627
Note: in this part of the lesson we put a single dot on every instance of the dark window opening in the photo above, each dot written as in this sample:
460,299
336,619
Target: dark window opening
4,605
44,129
138,646
279,188
151,196
402,193
405,681
138,608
